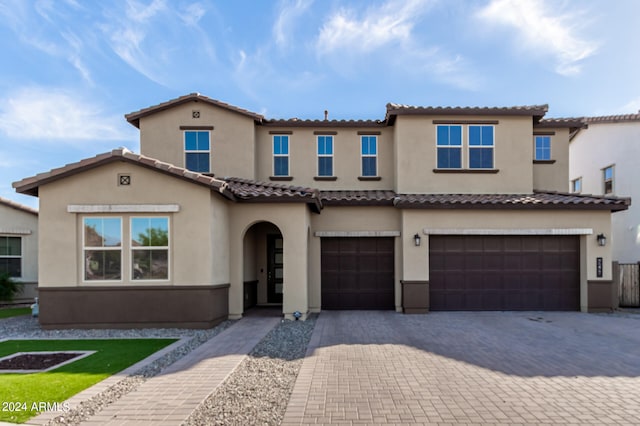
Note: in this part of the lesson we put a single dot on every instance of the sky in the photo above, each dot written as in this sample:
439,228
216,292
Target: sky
71,69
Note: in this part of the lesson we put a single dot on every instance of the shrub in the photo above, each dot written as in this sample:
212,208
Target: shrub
9,288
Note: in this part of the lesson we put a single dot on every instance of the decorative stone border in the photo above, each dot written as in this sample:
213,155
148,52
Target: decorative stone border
82,354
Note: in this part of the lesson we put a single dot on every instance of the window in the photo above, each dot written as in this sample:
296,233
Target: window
11,256
149,248
196,150
102,248
607,174
480,147
325,155
449,145
281,155
543,148
576,185
369,152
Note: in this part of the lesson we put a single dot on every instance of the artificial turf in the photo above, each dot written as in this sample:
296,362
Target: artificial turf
23,395
14,312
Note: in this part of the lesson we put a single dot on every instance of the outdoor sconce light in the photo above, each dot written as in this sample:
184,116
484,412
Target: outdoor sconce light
602,240
416,240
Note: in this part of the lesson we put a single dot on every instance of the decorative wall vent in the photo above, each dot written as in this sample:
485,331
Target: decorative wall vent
124,179
195,114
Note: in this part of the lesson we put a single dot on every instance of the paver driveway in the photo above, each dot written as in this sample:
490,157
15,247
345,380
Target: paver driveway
470,368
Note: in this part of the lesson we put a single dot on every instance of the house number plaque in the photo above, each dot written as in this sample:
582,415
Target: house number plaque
599,267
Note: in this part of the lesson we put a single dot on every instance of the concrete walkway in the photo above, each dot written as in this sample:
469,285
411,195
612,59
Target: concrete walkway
170,397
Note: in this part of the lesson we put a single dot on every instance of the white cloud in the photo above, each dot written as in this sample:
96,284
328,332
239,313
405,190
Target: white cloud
44,114
289,13
543,29
631,107
391,22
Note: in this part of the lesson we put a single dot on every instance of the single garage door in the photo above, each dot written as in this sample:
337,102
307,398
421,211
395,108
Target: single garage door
357,273
484,273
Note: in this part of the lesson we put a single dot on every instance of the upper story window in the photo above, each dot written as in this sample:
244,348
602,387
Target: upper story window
149,248
11,256
481,147
369,153
607,177
542,148
576,185
102,248
197,150
281,155
449,146
325,155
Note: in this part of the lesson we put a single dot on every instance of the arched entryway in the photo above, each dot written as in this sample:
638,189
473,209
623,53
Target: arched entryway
263,265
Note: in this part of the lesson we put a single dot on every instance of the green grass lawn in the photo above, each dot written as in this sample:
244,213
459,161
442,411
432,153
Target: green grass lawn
18,391
14,312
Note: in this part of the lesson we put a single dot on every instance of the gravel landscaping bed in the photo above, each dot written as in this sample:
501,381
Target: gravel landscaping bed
258,390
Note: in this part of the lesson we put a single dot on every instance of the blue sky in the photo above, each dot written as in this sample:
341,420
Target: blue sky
72,68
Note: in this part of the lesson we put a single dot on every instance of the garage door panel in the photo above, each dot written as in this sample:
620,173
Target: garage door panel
504,273
357,273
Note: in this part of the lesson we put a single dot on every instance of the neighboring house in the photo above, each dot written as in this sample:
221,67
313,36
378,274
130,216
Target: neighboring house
19,246
603,161
431,208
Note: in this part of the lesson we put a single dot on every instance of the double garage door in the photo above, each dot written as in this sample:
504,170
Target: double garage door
504,272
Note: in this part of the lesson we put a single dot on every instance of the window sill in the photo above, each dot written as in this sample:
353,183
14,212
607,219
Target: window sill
281,178
327,178
365,178
482,171
544,161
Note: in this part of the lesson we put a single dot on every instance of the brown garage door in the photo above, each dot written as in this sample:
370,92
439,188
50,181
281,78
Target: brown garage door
357,273
484,273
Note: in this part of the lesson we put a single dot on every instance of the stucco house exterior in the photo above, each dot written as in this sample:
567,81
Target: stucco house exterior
428,208
603,161
19,246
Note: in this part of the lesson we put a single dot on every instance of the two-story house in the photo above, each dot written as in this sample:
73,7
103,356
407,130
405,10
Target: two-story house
430,208
603,162
19,247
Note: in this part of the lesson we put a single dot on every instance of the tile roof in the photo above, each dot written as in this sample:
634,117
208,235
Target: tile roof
613,118
358,198
573,122
134,117
296,122
399,109
17,206
31,184
255,191
536,200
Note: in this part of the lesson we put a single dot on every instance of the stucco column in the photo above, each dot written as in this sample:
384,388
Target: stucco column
296,255
236,306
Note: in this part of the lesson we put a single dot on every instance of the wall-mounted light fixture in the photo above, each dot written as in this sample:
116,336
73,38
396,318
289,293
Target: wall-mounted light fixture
416,240
602,240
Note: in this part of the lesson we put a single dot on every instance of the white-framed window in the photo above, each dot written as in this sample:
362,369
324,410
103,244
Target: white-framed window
102,248
542,148
280,155
325,155
607,179
11,256
576,185
369,154
449,146
481,143
149,248
197,150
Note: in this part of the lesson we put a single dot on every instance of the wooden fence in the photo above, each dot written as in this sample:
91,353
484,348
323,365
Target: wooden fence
628,284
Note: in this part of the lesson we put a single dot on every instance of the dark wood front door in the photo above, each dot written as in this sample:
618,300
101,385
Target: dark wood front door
275,268
498,272
357,273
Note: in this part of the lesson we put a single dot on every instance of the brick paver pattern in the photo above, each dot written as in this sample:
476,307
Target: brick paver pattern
469,368
170,397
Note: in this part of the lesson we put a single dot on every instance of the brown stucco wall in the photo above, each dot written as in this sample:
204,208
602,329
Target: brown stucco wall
555,176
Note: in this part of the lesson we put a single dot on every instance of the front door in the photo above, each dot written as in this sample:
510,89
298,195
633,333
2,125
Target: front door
275,271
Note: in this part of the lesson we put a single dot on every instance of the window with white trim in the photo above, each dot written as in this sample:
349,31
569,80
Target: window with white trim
11,256
369,153
102,248
149,248
607,177
481,147
197,150
325,155
280,155
576,185
542,148
449,146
